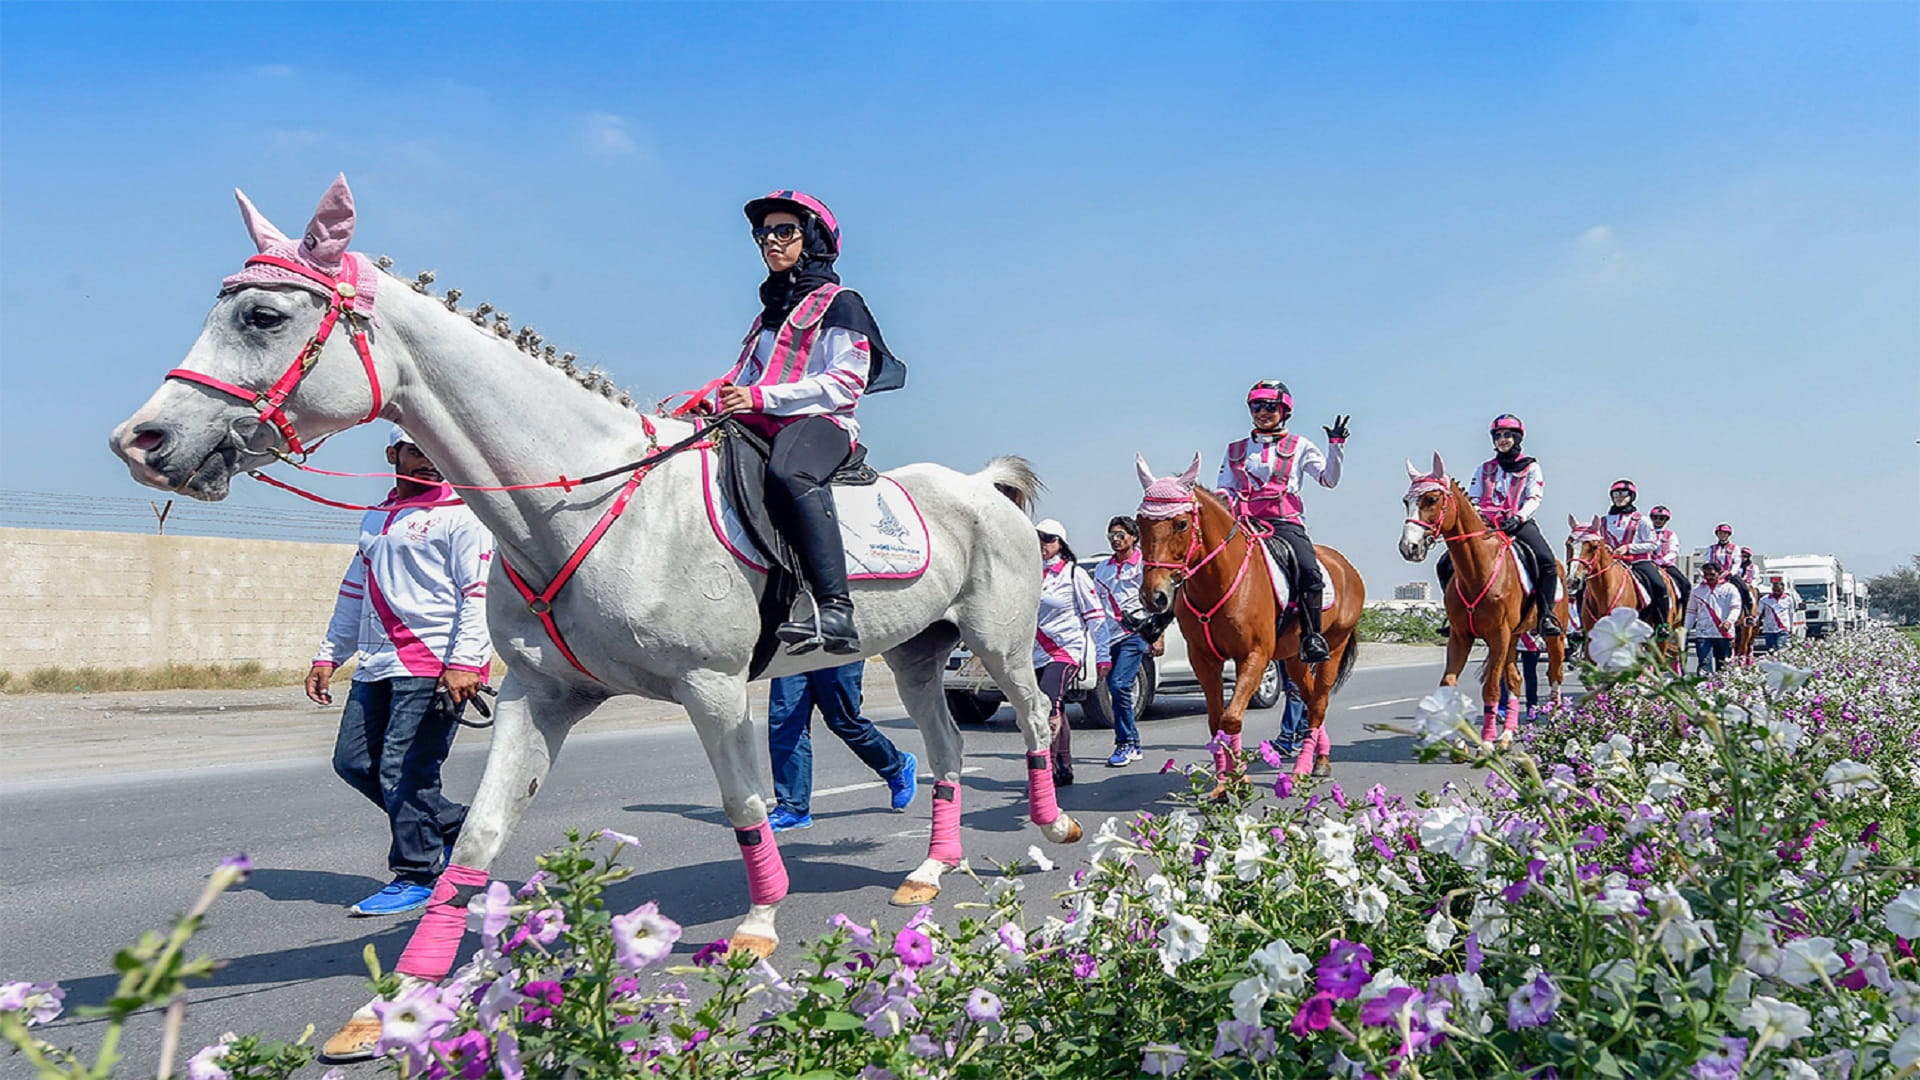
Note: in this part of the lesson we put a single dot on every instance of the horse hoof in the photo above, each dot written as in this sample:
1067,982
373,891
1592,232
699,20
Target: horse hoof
913,893
1062,830
1505,743
758,945
355,1041
1323,766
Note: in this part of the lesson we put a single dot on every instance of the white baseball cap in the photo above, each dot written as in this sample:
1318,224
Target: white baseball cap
1052,528
398,435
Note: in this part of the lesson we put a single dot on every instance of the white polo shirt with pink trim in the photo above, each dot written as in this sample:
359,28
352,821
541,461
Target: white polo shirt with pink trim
414,598
1072,624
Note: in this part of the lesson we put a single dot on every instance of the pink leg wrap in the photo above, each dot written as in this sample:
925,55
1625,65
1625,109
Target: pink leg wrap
435,943
945,845
1513,715
766,874
1490,722
1221,763
1303,764
1234,750
1041,805
1323,740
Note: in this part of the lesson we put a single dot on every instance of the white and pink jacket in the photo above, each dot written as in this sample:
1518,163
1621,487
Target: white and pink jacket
1118,582
1264,474
804,369
1073,626
1667,547
1776,613
1711,613
1499,494
1725,556
414,599
1629,535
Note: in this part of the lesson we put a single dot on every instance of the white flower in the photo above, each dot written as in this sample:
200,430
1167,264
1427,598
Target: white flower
1281,967
1040,860
1334,840
1111,843
1163,895
1487,920
1618,900
1665,780
1785,732
1613,980
1902,914
1249,997
643,937
1393,881
1804,960
205,1065
1180,827
1614,642
1452,831
1443,716
1775,1022
1369,906
1906,1049
1247,857
1847,777
1795,1069
1784,676
1761,954
1610,758
1440,932
1184,938
1383,980
1344,876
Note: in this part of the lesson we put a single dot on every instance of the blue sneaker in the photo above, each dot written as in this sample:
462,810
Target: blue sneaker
906,783
1124,755
396,899
783,819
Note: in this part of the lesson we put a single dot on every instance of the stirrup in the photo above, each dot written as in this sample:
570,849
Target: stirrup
802,637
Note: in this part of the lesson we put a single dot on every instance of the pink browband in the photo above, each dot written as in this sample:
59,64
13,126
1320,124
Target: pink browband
271,404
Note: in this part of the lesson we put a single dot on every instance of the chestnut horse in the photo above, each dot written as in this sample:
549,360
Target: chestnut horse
1502,605
1192,544
1605,582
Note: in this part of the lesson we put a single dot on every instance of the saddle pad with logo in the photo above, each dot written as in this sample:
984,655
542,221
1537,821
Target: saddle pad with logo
1559,583
880,526
1276,575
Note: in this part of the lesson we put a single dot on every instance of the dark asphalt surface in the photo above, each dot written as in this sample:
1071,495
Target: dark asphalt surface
89,866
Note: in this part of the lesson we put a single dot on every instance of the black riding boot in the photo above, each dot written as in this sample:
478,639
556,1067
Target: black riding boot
1313,647
1544,592
823,614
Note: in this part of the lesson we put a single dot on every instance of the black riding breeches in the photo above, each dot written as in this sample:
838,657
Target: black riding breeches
1306,563
1545,568
805,453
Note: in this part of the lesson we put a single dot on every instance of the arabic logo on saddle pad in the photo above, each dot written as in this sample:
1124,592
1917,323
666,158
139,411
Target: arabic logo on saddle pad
888,525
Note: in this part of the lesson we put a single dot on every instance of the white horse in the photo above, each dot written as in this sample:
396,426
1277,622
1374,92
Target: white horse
658,608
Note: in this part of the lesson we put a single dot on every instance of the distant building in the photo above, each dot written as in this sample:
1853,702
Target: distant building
1414,590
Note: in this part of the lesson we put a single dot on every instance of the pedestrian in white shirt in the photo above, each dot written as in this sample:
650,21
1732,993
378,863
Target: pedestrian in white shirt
1071,632
1712,612
1776,616
413,610
1118,583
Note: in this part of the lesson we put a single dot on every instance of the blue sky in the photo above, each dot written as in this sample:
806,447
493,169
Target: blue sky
1682,241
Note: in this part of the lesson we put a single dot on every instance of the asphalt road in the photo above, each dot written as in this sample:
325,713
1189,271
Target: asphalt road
89,864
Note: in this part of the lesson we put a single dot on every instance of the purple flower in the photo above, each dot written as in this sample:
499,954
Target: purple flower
205,1065
1518,889
1724,1063
913,948
492,907
710,952
619,839
1163,1059
1248,1040
643,937
1283,786
861,936
409,1024
40,1001
545,926
921,1045
545,991
1533,1004
1338,796
982,1006
1315,1014
506,1055
1167,768
1385,1010
1475,955
1342,972
1272,757
1084,966
1012,938
239,864
532,886
468,1055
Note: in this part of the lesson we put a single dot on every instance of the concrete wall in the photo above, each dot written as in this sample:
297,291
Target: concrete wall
105,599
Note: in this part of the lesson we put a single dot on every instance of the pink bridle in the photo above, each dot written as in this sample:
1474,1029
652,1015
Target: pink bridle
271,403
1186,567
1625,585
1444,485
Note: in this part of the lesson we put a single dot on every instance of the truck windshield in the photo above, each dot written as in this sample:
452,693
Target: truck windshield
1812,594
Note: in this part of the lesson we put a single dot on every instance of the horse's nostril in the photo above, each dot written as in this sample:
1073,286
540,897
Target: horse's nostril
148,440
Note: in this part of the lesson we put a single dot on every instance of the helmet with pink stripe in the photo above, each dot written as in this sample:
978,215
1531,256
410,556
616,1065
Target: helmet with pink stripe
798,203
1628,486
1507,422
1724,527
1271,390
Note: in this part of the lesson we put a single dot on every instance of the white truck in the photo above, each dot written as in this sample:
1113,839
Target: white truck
1850,612
1819,584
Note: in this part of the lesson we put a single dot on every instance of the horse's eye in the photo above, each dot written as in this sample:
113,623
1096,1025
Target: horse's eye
264,318
1179,526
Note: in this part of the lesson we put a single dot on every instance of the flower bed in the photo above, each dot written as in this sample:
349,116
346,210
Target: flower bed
1672,879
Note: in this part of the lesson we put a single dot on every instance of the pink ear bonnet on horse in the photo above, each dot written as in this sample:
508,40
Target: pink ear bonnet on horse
323,246
794,202
1166,496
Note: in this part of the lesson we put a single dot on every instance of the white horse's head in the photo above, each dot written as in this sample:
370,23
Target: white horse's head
1426,499
1166,521
193,434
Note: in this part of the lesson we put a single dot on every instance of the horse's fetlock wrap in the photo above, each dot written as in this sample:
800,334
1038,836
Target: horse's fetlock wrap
435,943
945,845
766,872
1042,806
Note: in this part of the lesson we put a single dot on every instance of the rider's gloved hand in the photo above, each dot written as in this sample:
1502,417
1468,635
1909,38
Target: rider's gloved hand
1512,526
1338,432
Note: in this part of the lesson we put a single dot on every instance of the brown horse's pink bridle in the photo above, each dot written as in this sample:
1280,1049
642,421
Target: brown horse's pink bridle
271,403
1444,485
1186,567
1593,571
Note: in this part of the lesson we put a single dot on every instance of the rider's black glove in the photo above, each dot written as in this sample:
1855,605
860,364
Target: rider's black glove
1338,432
1512,526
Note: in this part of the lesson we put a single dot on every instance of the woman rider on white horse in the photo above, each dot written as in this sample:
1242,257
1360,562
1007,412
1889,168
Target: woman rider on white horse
812,353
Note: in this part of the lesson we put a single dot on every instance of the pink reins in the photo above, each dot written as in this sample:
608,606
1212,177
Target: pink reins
1185,569
1439,531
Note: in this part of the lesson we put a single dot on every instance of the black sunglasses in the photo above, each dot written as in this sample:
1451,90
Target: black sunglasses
1049,538
1264,406
782,232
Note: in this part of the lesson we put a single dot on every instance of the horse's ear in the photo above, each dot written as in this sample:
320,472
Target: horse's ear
1192,475
1573,523
331,229
1439,467
1146,473
263,231
1412,472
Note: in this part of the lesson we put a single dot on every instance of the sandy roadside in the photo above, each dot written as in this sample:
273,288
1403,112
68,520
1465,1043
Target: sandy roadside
50,739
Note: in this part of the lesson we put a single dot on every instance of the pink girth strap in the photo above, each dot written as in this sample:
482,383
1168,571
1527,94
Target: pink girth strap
945,845
435,943
766,874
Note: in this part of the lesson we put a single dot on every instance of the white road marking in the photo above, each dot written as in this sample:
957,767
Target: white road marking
1379,704
845,788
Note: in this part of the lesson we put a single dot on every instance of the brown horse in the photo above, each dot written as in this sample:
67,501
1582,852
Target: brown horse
1605,582
1192,544
1488,600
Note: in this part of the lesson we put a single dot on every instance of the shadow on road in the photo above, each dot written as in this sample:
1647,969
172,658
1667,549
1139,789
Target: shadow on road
320,886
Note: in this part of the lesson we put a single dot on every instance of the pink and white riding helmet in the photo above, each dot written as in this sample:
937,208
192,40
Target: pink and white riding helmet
798,203
1507,422
1271,390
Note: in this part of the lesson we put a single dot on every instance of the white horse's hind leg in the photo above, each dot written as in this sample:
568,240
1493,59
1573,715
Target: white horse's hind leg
916,674
1010,665
531,722
737,748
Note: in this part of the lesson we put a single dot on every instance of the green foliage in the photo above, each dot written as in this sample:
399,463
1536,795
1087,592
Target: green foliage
1404,627
1897,592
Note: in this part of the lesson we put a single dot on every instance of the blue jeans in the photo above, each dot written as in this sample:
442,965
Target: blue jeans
1293,722
836,693
1712,651
393,739
1776,640
1128,653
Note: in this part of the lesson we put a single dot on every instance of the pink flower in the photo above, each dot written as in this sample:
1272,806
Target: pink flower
546,925
1167,768
1315,1014
914,948
468,1055
861,936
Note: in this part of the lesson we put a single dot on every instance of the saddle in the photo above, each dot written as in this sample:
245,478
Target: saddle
742,457
1682,591
1529,566
1282,553
1659,594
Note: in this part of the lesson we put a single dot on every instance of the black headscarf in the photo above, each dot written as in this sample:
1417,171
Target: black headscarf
1511,461
783,291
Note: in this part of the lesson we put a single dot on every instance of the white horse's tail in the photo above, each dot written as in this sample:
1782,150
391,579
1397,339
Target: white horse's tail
1015,478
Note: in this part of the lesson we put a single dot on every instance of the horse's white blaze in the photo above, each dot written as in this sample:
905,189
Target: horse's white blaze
1415,539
